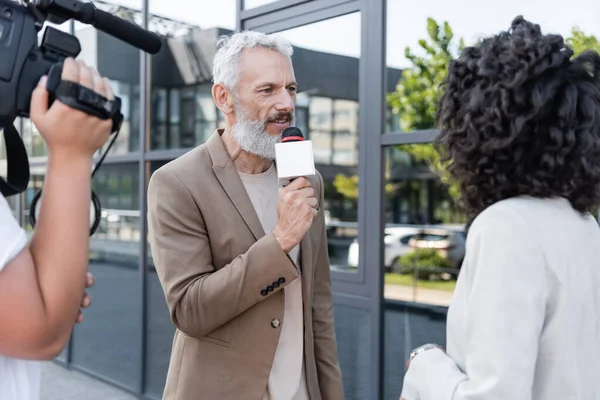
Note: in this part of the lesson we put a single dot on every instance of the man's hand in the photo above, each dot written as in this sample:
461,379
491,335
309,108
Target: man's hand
87,299
296,212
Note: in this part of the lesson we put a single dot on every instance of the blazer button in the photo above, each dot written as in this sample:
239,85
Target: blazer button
282,280
275,323
275,285
270,288
264,292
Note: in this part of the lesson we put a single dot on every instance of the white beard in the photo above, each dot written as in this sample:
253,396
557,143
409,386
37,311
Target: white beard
252,137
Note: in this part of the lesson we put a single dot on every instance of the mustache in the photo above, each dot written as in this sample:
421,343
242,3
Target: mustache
284,115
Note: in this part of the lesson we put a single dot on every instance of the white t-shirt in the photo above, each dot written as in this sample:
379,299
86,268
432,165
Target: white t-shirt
19,379
287,380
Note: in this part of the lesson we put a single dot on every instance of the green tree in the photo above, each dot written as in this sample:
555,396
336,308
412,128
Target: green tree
417,92
417,95
579,41
347,186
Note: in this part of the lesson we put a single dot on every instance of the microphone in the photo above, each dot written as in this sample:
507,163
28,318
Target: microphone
293,156
124,30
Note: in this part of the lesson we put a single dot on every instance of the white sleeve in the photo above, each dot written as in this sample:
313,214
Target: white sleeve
13,238
507,288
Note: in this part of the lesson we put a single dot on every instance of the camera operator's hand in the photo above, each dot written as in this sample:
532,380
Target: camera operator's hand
296,212
65,129
87,299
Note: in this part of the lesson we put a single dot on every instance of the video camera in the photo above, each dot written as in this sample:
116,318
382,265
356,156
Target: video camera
23,63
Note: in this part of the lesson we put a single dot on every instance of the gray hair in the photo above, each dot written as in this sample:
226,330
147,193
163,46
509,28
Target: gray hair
229,53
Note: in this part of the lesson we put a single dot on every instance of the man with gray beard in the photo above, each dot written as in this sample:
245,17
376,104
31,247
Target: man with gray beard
243,262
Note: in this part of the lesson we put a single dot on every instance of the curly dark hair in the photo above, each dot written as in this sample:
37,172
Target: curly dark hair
520,116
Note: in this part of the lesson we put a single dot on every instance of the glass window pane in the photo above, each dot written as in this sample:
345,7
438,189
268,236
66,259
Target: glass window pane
345,131
34,144
327,101
424,241
184,113
424,245
120,63
412,82
107,342
353,333
407,326
160,328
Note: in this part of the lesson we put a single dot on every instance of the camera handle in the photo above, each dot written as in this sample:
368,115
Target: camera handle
17,163
90,102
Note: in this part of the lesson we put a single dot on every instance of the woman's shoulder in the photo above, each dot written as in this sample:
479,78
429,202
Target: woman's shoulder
524,209
529,218
505,212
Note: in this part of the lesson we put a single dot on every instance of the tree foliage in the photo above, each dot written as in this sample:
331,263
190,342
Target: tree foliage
416,96
579,41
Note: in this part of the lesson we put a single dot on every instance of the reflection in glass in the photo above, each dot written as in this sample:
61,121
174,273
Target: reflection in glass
160,329
407,326
107,343
425,230
183,113
182,118
421,43
248,4
327,112
34,143
120,63
353,334
424,244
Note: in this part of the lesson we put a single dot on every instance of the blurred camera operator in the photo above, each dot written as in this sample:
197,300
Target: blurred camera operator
42,284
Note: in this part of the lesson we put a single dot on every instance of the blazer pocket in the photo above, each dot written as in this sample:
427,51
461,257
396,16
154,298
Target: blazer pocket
219,336
214,340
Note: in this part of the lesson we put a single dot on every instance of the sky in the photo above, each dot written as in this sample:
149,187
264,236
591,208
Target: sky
406,20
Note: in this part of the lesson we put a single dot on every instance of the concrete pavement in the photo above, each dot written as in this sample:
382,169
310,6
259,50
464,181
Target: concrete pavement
59,383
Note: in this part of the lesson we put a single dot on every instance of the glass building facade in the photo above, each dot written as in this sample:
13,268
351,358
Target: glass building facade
396,236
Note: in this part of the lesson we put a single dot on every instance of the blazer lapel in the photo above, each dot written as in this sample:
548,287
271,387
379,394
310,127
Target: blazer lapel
229,179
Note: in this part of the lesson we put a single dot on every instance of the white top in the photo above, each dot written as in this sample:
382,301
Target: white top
524,323
287,379
19,379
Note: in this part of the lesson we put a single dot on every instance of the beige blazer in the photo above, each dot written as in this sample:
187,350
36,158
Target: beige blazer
223,279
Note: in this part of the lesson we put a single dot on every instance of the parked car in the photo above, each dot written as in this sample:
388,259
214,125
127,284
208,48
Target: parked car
450,244
396,245
449,240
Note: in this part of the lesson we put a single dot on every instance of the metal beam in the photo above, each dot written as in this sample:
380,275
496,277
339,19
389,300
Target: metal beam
397,138
303,14
144,132
168,154
268,8
239,6
371,210
122,158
